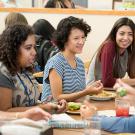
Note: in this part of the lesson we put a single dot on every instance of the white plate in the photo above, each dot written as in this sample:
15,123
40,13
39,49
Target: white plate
98,98
109,89
73,112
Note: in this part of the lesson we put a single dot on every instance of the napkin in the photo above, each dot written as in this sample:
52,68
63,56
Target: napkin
110,113
62,117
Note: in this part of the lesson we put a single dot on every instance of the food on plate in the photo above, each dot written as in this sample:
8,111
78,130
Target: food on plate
74,106
104,94
121,91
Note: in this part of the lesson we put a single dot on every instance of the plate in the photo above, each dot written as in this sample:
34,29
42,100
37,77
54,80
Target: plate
102,97
109,89
73,112
74,105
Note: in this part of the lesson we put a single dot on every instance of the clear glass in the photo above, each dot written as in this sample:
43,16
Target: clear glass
121,107
92,126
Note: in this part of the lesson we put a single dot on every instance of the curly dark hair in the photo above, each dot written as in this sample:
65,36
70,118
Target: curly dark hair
64,28
10,42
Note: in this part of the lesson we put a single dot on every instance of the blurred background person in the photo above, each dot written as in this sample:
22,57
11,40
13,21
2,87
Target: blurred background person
8,3
14,17
60,4
45,46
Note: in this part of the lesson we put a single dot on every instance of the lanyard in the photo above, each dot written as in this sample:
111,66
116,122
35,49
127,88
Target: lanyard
28,93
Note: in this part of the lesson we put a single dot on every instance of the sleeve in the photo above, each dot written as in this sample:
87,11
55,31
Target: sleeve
118,124
6,82
107,58
91,76
56,64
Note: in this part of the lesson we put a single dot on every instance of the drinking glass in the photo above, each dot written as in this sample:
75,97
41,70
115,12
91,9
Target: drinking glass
92,126
121,107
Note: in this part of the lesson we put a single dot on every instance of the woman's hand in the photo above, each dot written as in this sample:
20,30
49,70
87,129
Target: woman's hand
120,83
87,110
61,106
58,107
95,87
35,113
130,91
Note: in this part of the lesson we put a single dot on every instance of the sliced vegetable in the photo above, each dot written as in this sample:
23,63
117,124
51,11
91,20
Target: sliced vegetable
74,106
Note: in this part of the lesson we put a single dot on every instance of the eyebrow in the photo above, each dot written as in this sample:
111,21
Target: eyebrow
128,32
29,45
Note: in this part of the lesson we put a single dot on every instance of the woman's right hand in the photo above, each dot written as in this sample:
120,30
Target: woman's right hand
120,83
130,91
94,88
87,110
35,113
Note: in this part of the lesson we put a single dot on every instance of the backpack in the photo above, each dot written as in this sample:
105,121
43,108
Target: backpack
45,50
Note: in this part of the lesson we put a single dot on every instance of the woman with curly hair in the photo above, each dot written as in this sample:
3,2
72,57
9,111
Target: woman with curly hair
18,88
64,74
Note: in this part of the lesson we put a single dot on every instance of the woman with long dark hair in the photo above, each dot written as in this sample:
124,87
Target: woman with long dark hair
113,58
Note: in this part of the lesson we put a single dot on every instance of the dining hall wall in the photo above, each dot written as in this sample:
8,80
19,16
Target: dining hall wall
100,25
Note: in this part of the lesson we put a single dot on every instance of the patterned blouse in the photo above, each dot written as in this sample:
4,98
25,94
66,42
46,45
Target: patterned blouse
73,79
24,86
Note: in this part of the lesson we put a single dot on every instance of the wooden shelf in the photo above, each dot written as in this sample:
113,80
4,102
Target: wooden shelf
70,11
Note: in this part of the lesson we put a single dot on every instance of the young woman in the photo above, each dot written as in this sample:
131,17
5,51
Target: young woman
64,74
112,60
19,90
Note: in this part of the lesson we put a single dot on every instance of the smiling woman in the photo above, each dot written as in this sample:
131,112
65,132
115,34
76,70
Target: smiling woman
67,69
115,56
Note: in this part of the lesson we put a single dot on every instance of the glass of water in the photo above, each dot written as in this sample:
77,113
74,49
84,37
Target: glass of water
92,126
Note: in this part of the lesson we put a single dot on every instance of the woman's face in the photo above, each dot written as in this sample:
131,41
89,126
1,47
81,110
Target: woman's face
75,41
27,52
124,37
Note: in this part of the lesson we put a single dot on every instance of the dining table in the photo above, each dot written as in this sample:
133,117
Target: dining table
101,105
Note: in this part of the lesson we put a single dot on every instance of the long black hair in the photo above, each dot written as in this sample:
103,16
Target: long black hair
112,38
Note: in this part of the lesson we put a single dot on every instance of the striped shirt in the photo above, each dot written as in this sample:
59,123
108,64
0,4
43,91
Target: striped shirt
73,79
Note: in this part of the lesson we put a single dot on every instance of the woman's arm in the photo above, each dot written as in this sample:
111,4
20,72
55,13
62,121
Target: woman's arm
118,124
35,114
6,103
107,58
129,81
56,88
